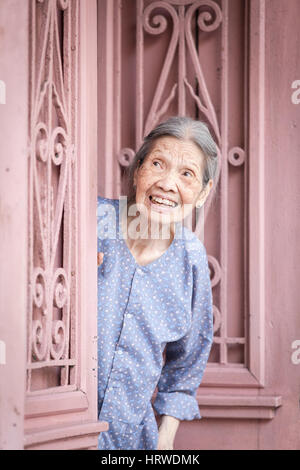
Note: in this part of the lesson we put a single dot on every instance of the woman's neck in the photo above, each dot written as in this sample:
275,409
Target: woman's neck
145,235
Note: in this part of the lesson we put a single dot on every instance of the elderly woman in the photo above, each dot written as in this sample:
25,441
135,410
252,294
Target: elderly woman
154,291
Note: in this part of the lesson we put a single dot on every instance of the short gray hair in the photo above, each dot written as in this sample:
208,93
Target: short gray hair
183,128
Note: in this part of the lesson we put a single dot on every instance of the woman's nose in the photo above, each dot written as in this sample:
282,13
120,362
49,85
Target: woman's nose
168,182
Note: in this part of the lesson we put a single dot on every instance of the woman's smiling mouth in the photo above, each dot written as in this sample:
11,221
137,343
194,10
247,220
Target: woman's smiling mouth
162,202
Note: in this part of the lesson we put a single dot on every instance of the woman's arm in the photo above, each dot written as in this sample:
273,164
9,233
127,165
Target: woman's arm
167,432
186,358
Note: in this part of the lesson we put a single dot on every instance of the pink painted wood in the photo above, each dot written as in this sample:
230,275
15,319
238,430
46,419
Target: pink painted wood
229,72
207,59
61,392
48,387
13,220
237,359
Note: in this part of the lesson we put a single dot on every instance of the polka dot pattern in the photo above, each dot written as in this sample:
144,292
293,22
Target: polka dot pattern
141,311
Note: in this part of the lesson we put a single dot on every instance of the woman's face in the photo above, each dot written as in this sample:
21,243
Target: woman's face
172,172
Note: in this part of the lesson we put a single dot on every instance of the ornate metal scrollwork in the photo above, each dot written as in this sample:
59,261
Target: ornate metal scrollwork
52,200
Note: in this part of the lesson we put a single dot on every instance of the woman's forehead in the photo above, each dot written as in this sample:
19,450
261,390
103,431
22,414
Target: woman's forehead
171,146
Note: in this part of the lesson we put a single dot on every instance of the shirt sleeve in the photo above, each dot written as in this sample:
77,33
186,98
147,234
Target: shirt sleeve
187,357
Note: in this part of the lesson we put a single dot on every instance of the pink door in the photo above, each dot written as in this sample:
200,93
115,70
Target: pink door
81,83
207,59
48,391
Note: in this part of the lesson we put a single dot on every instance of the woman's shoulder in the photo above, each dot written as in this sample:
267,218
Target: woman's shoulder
107,218
193,246
107,206
106,200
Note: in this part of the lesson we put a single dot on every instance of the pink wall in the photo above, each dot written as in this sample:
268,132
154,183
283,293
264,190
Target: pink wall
13,220
263,414
282,269
255,404
61,403
48,191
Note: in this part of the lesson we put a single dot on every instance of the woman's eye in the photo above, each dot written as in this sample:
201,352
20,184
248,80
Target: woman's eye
189,173
154,163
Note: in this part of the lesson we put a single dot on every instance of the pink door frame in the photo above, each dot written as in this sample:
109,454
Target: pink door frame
34,416
244,409
13,233
218,394
242,404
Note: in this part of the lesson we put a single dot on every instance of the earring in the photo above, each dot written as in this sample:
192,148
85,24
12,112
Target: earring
199,204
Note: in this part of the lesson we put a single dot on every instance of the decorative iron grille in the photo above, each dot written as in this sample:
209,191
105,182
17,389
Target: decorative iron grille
52,310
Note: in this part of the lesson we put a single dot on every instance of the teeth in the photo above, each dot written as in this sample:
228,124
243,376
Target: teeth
164,201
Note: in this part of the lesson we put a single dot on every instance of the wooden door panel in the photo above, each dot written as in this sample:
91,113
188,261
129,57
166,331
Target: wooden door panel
204,59
61,386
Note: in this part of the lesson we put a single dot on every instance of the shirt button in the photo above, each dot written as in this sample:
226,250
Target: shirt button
128,315
119,351
139,271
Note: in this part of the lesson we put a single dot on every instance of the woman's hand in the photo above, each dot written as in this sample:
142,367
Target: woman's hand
165,441
100,257
166,432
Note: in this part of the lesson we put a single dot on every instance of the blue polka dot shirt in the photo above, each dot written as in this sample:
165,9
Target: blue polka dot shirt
142,311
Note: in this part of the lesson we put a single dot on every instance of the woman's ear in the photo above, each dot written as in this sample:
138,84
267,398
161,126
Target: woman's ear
201,200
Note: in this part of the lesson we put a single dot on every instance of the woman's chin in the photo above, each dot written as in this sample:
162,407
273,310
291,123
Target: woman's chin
160,215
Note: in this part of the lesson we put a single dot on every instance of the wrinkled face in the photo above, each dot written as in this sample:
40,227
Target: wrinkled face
169,182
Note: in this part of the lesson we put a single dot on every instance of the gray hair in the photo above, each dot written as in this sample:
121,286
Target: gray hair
183,128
